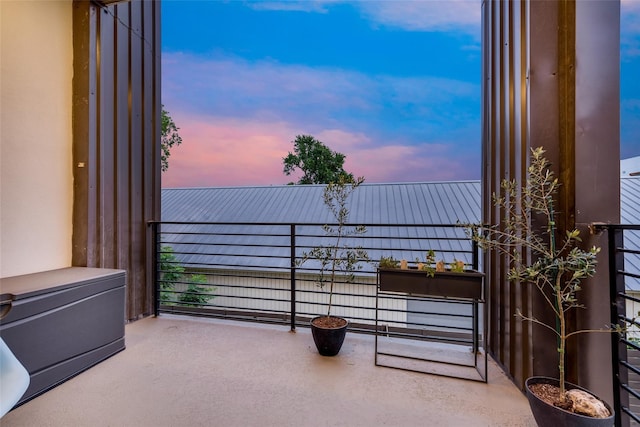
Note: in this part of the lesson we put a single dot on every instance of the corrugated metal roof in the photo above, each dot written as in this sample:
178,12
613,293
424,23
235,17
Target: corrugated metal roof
407,203
630,200
397,203
630,214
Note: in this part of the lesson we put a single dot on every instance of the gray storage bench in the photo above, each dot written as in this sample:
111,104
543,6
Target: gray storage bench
62,322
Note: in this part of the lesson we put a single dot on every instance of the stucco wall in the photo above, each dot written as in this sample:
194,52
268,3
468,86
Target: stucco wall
36,183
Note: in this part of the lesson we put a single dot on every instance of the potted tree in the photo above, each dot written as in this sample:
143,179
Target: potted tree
337,262
557,268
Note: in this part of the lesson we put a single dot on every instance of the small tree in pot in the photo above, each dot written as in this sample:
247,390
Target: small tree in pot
557,269
337,260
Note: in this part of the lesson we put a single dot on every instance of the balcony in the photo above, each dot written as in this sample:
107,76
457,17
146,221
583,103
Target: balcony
204,370
193,371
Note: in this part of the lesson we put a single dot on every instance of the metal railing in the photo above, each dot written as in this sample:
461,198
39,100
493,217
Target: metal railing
252,272
624,279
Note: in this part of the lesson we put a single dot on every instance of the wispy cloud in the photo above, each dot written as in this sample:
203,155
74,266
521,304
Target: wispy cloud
630,123
293,6
408,15
630,9
630,29
237,119
301,94
431,15
233,84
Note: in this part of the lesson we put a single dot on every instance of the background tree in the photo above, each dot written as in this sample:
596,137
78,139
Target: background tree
169,138
198,291
319,164
170,274
195,295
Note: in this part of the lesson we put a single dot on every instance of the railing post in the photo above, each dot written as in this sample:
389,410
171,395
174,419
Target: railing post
475,257
154,270
293,277
618,309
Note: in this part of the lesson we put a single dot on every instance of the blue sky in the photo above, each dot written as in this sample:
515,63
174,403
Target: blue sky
394,85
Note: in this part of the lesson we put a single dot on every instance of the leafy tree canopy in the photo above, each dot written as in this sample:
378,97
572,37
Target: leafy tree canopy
169,138
319,164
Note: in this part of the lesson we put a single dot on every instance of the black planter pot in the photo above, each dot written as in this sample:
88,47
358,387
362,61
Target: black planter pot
552,416
328,340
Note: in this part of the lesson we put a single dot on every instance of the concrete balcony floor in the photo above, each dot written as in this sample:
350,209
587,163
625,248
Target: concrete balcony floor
199,372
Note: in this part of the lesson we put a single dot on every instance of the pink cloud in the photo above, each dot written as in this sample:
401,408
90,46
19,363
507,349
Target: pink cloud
228,152
236,152
404,163
266,104
394,161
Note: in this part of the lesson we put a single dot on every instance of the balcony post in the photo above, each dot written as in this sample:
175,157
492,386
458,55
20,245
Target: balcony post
475,263
154,270
618,312
293,278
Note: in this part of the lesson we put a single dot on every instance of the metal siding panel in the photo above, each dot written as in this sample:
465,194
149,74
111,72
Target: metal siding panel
123,237
84,105
156,164
538,109
519,336
495,123
596,162
544,130
485,134
136,184
151,160
597,129
118,189
503,120
506,162
106,142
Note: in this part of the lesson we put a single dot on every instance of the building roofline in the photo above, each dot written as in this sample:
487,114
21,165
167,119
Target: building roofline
470,181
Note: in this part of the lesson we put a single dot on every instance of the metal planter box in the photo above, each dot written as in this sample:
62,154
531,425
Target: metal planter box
447,284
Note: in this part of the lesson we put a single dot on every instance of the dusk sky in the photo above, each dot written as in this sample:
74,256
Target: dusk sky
394,85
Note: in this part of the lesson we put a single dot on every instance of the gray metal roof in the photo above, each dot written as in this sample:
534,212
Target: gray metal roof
630,200
409,203
630,214
397,203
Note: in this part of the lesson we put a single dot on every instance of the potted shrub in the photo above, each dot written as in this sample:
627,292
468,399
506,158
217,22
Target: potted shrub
557,268
337,261
430,278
